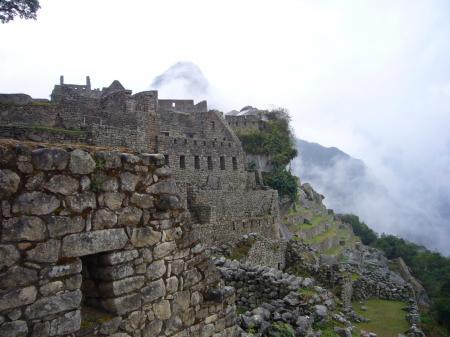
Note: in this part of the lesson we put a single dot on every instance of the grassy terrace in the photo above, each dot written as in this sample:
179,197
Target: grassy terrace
387,319
73,132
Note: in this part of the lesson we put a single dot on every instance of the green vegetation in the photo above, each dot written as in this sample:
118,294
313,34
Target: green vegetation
307,293
276,141
360,229
240,310
41,103
241,251
280,329
73,132
387,318
430,268
92,317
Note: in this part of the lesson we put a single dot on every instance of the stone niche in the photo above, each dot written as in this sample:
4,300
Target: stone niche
95,243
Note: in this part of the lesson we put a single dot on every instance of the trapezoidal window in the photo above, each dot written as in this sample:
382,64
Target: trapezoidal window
235,166
210,164
166,160
197,162
182,162
222,163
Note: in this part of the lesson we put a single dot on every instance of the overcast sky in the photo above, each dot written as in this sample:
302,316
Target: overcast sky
370,77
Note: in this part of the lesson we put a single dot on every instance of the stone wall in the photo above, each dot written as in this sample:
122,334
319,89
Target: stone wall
85,231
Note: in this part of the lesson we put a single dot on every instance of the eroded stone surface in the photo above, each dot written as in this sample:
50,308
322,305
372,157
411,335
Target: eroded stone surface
9,183
93,242
35,203
81,162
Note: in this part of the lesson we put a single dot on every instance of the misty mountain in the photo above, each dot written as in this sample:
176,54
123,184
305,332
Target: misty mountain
182,80
335,174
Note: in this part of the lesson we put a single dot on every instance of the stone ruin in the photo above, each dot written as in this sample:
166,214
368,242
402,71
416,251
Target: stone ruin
97,243
224,198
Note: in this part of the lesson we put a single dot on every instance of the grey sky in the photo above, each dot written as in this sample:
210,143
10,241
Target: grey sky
370,77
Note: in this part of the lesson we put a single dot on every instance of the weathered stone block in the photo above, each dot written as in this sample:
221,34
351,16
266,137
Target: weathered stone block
162,309
82,201
130,216
14,329
62,184
120,287
163,187
35,203
153,291
104,218
51,288
172,285
65,269
156,270
164,249
17,276
93,242
52,305
45,252
111,200
152,328
28,228
114,258
109,160
152,159
142,200
116,272
49,159
122,305
128,181
9,183
8,255
17,297
144,237
181,301
81,162
61,225
66,324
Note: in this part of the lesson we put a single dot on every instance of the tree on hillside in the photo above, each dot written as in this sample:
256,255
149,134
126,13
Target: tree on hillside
25,9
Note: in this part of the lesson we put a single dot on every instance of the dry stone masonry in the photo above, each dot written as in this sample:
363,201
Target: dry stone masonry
96,243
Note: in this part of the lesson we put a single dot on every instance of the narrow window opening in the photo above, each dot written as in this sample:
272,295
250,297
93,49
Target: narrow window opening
213,125
195,142
222,163
185,141
197,162
182,162
210,164
235,166
173,104
175,141
166,160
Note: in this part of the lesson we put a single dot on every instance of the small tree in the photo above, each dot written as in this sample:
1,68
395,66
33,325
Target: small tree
25,9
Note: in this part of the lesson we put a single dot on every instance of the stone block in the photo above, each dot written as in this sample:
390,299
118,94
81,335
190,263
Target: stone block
93,242
156,270
142,200
166,202
8,255
62,184
61,270
123,286
35,203
144,237
130,216
116,272
51,288
9,183
181,301
14,329
49,159
81,162
128,181
17,276
152,329
153,291
109,160
104,218
24,228
81,202
69,323
55,304
113,258
44,252
163,187
164,249
162,309
14,298
112,200
123,305
62,225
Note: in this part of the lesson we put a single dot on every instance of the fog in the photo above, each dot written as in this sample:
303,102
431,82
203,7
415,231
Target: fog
369,77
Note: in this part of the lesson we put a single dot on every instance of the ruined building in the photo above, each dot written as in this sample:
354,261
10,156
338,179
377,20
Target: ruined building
225,200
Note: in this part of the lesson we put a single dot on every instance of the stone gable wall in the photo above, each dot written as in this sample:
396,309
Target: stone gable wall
86,228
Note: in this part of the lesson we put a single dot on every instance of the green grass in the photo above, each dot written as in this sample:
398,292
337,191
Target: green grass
239,252
307,293
387,319
73,132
